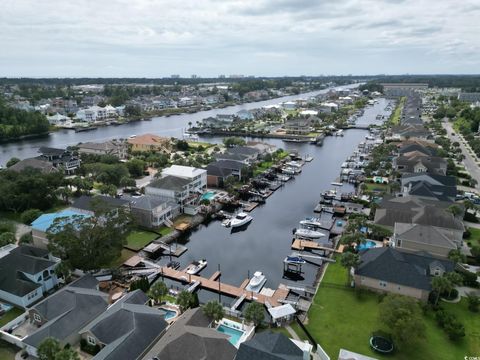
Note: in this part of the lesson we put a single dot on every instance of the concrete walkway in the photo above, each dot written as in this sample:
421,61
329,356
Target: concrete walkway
21,229
292,333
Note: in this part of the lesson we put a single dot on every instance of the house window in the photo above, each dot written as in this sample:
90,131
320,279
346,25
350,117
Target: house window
91,340
37,318
382,284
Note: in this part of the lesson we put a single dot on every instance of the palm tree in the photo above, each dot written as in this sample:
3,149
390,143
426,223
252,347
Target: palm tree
455,278
441,284
456,256
255,313
157,291
214,310
350,260
185,300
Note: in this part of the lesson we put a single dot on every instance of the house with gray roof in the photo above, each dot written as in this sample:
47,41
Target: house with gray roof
190,337
269,346
88,204
169,188
116,148
390,270
63,314
416,162
26,274
434,240
427,190
235,168
126,329
152,211
241,158
44,166
217,175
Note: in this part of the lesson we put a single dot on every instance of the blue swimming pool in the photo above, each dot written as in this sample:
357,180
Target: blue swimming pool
366,245
209,195
169,314
234,335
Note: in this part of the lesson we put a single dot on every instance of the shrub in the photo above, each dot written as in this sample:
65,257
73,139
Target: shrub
28,216
473,302
89,348
454,329
469,279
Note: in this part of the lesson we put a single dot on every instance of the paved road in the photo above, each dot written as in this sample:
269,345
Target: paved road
469,162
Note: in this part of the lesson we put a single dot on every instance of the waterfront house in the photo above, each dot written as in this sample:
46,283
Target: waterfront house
118,148
44,166
150,142
262,147
153,211
126,329
390,270
297,126
429,186
411,131
217,175
328,107
415,162
191,337
425,148
245,115
26,274
216,123
60,158
88,204
241,158
41,224
270,346
252,153
63,314
57,119
235,168
169,188
434,240
197,177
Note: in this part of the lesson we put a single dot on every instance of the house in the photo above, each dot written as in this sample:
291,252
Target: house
328,107
152,211
197,177
190,337
149,142
57,119
267,345
88,204
41,224
63,314
236,168
252,153
411,131
46,167
60,158
263,148
171,188
432,239
415,162
409,147
116,148
297,126
126,329
390,270
245,115
26,274
216,123
429,186
217,175
241,158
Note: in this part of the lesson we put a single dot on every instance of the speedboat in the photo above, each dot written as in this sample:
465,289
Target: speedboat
294,260
311,221
240,219
311,234
190,136
196,266
257,279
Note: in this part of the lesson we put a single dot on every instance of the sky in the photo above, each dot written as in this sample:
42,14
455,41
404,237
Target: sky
157,38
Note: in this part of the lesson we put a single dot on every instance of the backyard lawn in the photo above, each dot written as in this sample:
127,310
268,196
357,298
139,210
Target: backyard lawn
138,239
125,255
340,318
7,351
9,316
474,238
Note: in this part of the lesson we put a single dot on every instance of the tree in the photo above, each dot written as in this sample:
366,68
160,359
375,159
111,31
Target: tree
28,216
63,270
67,354
441,284
403,316
455,210
456,256
110,190
233,141
157,291
255,313
7,238
142,284
214,310
185,300
136,167
48,349
88,243
348,261
473,302
26,239
12,161
455,278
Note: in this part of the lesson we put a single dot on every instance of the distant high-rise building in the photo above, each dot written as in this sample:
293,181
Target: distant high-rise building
236,76
175,76
221,76
194,76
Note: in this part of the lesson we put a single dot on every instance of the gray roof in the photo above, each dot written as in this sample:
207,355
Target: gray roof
229,164
269,346
190,338
170,182
67,311
215,170
22,260
87,281
431,178
439,192
244,150
89,202
34,163
147,202
427,150
402,268
231,156
429,235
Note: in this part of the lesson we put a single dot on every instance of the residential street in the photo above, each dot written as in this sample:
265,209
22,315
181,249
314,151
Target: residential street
469,162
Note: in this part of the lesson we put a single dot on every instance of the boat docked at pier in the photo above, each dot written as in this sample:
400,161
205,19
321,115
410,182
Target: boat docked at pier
309,234
240,219
196,266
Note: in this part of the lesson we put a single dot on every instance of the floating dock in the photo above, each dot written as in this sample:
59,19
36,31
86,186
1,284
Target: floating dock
299,244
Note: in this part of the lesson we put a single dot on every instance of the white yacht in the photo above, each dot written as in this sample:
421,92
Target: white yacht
240,219
196,266
311,221
310,234
257,279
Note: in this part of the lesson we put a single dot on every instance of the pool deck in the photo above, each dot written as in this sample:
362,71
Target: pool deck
276,299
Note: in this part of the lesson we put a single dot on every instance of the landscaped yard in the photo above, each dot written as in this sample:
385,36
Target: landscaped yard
125,255
474,238
138,239
339,318
9,316
395,118
377,187
7,351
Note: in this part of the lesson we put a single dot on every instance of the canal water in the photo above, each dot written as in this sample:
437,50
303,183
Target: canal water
163,126
267,240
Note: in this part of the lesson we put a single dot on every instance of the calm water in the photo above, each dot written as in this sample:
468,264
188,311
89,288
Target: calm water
163,126
266,241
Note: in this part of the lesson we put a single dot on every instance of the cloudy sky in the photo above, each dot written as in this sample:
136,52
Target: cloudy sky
155,38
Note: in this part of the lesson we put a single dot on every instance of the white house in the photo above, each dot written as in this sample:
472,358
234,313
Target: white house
197,177
57,119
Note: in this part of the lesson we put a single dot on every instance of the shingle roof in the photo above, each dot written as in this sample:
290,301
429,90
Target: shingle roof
229,164
432,178
89,202
215,170
170,182
391,265
269,346
22,260
430,235
147,202
34,163
439,192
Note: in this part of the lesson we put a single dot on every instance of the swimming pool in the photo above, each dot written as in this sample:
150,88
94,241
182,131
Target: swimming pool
234,335
209,195
366,245
169,314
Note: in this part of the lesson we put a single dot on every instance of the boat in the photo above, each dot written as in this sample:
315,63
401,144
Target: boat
196,266
257,279
294,260
311,234
288,171
132,136
336,183
189,136
297,140
240,219
311,221
85,128
339,132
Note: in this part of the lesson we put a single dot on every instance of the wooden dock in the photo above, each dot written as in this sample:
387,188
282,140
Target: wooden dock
299,244
237,292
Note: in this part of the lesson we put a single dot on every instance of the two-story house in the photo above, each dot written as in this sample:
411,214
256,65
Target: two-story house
62,158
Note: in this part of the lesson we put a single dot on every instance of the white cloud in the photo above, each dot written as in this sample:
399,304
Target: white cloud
261,37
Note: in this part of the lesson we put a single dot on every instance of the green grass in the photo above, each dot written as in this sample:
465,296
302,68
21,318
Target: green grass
474,238
377,187
165,230
124,256
395,117
10,315
339,318
7,351
261,167
138,239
